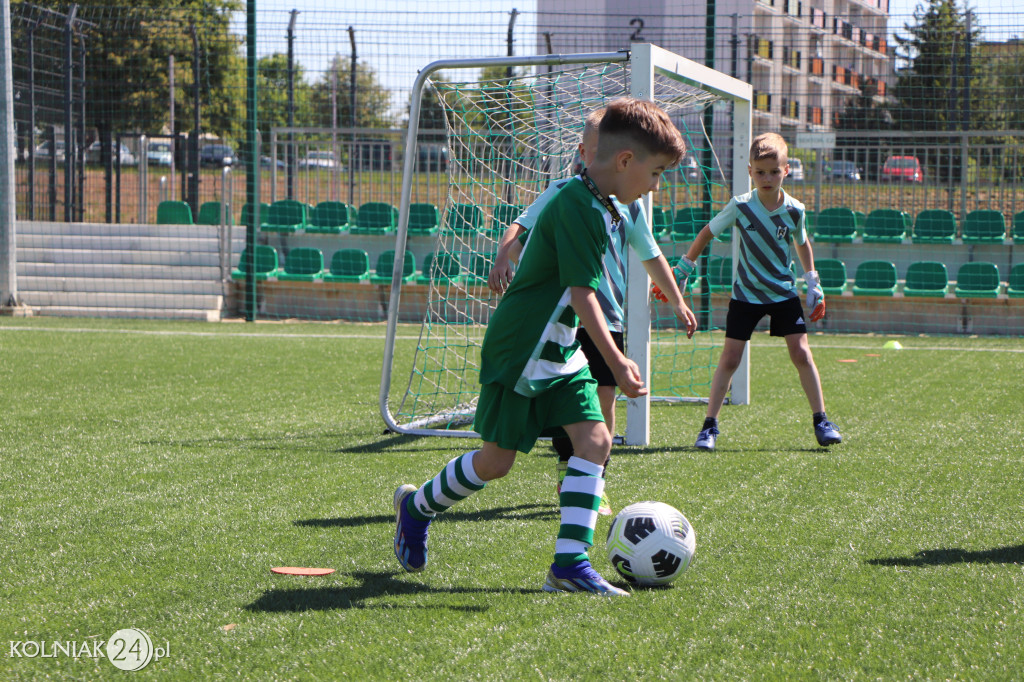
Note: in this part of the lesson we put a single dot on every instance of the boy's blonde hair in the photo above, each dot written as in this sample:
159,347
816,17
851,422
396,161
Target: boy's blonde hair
592,123
769,146
641,126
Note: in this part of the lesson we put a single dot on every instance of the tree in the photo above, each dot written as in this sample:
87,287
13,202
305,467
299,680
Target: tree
931,91
272,91
128,45
373,100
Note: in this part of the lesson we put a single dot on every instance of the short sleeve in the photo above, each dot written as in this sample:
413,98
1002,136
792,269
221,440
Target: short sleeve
725,218
640,237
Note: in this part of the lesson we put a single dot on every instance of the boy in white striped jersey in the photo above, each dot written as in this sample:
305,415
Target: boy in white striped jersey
766,220
534,376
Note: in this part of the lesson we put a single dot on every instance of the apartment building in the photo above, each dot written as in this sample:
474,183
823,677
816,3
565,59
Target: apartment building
806,59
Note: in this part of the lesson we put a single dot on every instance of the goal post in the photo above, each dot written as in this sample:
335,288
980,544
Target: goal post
647,62
509,137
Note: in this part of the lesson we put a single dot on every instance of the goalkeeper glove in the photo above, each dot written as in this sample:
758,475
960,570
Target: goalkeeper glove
815,296
682,271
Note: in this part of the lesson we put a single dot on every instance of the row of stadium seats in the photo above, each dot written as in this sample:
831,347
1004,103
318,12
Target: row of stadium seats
922,279
376,218
930,226
832,225
883,226
180,213
306,264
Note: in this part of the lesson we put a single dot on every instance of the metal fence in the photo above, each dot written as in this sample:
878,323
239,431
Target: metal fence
118,110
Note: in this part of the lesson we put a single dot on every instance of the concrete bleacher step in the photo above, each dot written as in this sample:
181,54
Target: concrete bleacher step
126,270
35,284
118,299
118,271
201,315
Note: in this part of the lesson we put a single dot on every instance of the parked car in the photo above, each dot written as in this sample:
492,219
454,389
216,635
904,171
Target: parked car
216,155
372,155
318,159
93,154
432,157
842,171
267,162
42,151
902,168
796,170
159,153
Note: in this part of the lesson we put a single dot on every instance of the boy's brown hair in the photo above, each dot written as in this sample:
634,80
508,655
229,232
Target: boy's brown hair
641,126
769,146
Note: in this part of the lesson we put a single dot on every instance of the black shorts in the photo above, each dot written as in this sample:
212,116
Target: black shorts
787,318
598,367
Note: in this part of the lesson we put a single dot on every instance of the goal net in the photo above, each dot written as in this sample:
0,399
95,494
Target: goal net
513,126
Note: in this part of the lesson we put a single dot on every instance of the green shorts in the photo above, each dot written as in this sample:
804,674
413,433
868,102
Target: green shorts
515,422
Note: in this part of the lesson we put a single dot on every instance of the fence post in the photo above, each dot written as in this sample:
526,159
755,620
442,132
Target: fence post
9,303
143,163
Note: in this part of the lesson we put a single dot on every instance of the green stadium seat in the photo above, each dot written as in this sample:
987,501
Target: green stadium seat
885,226
174,213
926,279
504,215
331,217
908,220
875,278
720,273
935,226
247,216
831,275
465,219
1015,285
1017,231
424,218
660,220
303,264
264,265
984,227
836,225
686,224
977,280
348,265
442,268
385,265
209,213
375,217
480,267
285,216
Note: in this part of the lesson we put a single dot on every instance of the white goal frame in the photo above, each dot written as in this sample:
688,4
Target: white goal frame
646,61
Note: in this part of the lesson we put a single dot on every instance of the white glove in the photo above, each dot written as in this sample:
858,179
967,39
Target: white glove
815,295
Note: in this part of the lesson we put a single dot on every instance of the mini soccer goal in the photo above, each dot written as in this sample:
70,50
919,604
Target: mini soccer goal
513,126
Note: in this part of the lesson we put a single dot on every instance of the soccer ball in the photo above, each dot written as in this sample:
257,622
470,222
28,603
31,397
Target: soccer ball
650,543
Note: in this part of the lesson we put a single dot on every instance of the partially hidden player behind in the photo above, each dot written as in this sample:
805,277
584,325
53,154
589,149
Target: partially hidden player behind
533,374
633,229
766,219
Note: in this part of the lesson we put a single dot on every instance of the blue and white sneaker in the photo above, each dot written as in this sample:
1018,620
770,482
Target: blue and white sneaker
827,433
580,577
410,533
706,438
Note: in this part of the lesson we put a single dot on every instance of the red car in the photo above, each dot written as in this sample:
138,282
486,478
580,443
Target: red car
905,168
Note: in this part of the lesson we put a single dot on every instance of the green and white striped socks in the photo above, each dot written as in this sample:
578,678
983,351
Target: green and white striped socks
457,481
580,499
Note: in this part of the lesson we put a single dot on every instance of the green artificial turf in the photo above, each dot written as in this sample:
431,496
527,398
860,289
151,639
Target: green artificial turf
152,474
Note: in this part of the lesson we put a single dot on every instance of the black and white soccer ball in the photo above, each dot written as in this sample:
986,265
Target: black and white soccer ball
650,543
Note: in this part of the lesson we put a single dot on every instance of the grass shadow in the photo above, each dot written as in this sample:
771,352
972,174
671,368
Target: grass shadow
370,585
942,557
521,512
